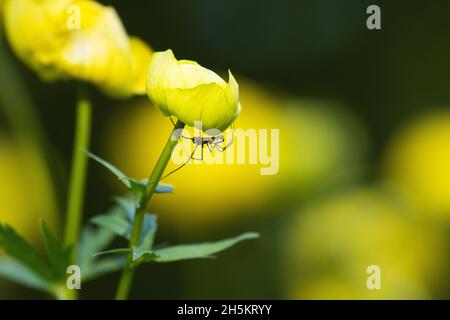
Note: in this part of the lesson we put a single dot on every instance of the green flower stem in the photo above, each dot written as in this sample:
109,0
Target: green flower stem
128,272
75,199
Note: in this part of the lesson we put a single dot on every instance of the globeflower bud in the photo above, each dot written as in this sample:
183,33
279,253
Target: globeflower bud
191,93
77,39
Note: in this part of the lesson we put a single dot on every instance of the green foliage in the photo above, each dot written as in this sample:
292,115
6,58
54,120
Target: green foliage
91,241
22,252
115,223
16,271
137,187
120,222
57,256
202,250
27,266
180,252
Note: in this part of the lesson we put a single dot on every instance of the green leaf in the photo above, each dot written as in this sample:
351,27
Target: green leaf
114,251
203,250
93,240
19,273
135,186
120,221
149,229
149,226
102,266
181,252
138,252
145,254
58,257
115,223
19,249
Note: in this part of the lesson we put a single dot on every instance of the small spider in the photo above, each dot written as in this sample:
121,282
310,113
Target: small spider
212,143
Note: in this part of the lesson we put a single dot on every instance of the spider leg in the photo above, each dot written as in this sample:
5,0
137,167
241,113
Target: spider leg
187,138
184,137
184,164
222,149
210,146
201,154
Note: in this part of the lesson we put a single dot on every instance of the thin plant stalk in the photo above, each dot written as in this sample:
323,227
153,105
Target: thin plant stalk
75,200
128,272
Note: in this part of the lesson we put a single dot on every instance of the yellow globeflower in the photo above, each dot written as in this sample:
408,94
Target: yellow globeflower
78,39
315,145
331,243
191,93
417,163
132,143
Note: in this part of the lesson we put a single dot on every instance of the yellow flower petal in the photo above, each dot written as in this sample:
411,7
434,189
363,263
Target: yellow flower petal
164,73
206,103
78,39
141,54
191,92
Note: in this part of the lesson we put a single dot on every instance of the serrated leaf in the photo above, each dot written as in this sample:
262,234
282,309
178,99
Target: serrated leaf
138,253
19,273
145,254
135,186
203,250
122,226
113,222
102,266
93,240
149,226
114,251
19,249
58,257
149,231
127,205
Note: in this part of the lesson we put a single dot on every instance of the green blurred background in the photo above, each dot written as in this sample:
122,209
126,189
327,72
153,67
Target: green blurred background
364,119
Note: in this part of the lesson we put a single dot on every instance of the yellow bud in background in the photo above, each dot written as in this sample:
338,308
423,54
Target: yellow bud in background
191,93
25,195
327,146
1,12
329,245
78,39
417,164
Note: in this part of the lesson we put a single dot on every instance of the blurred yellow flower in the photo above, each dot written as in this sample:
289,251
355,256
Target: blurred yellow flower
315,146
25,195
327,145
417,163
330,244
190,92
78,39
